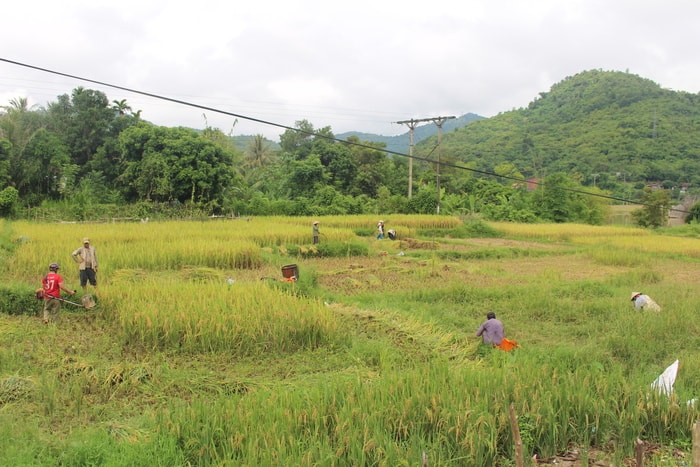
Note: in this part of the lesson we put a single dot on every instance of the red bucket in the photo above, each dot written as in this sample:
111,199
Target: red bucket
290,271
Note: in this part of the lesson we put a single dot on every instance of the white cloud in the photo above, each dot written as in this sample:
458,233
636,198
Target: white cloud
352,66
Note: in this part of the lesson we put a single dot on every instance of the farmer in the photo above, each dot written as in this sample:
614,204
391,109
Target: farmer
644,302
52,283
316,232
392,234
491,330
380,230
87,258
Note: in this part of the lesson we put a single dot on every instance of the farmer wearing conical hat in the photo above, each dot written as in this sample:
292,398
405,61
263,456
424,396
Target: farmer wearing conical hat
316,232
644,302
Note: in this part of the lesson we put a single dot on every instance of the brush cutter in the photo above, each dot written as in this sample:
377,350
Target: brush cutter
87,301
67,301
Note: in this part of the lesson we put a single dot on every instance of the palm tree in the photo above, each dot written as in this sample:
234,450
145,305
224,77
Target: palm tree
18,104
18,124
258,153
121,107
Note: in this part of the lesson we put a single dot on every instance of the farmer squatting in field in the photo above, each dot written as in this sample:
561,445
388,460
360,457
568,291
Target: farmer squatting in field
493,334
491,330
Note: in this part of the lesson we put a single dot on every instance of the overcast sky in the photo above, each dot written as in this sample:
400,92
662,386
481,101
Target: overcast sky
353,66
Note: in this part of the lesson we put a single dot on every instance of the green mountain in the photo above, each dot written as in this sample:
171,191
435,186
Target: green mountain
601,127
400,143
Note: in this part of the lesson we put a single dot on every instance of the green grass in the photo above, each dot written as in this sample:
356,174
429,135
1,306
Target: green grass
369,359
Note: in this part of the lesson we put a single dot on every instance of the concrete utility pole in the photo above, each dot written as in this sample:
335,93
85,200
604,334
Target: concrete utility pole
439,121
412,123
411,126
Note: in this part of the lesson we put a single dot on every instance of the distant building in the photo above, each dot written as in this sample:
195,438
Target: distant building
532,183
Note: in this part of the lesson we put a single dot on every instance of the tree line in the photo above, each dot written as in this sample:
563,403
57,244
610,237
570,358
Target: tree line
85,157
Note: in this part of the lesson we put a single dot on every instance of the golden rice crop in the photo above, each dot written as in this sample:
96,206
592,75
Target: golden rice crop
223,244
243,318
150,251
565,231
413,221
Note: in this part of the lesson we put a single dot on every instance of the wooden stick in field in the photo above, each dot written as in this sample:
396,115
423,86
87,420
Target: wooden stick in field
639,452
696,444
516,436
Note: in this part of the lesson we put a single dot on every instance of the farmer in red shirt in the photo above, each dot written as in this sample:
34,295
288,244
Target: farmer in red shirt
52,284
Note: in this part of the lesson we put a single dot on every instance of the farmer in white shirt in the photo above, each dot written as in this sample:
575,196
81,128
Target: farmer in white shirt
644,302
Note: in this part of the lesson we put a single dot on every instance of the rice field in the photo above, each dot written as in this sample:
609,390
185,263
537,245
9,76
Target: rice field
200,353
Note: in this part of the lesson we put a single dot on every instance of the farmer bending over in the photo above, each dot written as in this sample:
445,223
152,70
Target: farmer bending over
644,302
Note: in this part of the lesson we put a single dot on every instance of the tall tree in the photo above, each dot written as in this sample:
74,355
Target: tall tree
83,121
166,164
654,212
19,124
373,168
298,140
49,172
258,153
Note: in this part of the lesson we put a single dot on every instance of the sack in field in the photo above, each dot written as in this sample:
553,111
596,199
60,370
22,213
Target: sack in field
507,345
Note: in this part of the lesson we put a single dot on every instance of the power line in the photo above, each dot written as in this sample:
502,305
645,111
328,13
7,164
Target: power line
318,135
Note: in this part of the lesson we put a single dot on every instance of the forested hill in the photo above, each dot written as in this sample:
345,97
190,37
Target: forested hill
601,127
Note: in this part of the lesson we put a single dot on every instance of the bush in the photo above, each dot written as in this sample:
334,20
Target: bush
694,214
342,249
8,201
19,300
475,229
328,250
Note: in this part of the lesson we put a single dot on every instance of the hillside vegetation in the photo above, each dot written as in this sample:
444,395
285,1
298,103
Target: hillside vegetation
604,128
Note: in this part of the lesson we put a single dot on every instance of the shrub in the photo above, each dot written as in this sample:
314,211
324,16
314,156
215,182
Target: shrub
19,300
330,249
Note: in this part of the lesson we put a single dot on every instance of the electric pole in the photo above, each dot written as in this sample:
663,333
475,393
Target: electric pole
439,121
412,123
411,126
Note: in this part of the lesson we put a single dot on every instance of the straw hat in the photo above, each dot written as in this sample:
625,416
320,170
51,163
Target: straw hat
634,295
